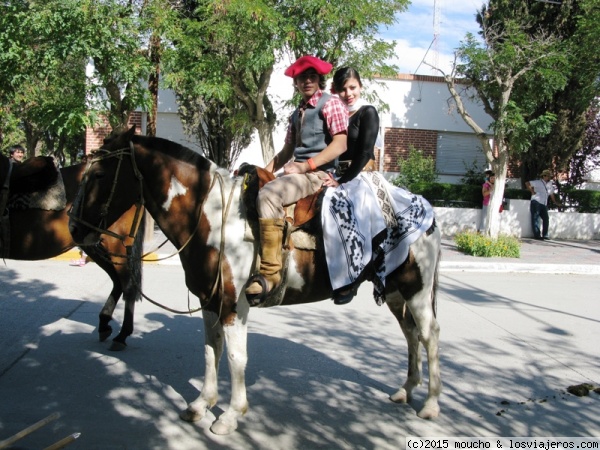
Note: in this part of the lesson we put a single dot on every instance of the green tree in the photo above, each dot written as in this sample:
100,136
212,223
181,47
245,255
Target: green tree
575,24
114,38
237,44
42,81
510,54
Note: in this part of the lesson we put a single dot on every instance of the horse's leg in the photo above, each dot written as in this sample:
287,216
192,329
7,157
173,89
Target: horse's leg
423,308
106,313
237,355
118,343
409,329
417,283
429,332
213,348
129,271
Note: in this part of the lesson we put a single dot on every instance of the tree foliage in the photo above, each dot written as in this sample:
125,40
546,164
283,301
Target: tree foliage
511,54
230,49
42,78
575,24
218,57
587,158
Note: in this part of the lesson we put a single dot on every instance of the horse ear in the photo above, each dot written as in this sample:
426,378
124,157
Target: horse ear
131,131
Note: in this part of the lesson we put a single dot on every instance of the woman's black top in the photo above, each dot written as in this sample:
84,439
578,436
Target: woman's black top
363,128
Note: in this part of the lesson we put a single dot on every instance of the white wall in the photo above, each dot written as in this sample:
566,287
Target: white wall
516,221
412,104
426,105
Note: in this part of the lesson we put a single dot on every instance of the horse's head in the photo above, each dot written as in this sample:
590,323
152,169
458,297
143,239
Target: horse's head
108,189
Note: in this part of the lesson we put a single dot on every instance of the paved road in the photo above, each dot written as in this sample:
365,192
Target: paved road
511,345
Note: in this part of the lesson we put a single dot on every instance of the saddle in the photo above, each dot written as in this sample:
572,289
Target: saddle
37,184
302,224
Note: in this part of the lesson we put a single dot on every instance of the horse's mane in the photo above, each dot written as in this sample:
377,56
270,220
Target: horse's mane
157,144
172,149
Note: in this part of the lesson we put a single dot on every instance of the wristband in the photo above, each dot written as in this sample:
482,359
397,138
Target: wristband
311,164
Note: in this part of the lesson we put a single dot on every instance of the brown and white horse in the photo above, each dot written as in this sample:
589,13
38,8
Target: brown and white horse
197,206
40,234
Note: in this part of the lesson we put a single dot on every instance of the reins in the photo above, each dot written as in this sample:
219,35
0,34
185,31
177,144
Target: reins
102,229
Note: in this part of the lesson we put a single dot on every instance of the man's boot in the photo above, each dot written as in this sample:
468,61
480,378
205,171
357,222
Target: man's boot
271,238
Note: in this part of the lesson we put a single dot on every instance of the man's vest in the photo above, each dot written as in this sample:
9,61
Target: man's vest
312,135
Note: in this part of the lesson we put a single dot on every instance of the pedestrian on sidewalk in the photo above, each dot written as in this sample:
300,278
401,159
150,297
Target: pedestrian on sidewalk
486,190
541,190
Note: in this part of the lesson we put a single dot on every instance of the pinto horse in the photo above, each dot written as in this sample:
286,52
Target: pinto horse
197,206
40,234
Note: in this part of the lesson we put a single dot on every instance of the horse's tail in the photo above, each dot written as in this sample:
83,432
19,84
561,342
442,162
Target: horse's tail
437,235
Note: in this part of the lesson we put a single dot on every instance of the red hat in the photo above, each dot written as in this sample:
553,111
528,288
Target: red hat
308,62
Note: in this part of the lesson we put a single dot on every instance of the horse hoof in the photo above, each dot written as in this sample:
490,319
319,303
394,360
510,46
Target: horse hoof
117,346
429,412
190,415
400,397
222,427
104,335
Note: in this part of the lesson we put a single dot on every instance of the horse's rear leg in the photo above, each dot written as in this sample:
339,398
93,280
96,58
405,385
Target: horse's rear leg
213,349
416,283
119,343
429,333
414,377
106,314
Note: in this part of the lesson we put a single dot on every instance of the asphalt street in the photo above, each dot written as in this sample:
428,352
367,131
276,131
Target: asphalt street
318,376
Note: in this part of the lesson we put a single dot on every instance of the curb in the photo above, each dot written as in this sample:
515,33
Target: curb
72,254
572,269
445,266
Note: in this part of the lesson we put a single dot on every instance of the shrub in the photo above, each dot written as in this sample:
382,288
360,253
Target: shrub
450,195
583,201
416,168
474,175
480,245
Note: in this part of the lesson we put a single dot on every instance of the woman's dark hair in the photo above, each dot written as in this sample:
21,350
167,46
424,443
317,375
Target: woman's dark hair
342,75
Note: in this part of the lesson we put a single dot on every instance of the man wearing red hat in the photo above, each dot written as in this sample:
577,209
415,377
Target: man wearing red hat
316,136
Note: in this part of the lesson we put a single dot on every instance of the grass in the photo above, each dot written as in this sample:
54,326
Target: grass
480,245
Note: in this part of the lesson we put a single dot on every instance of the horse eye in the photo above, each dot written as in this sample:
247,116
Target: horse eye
99,175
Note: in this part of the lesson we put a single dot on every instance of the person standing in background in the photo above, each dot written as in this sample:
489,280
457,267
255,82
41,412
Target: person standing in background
541,190
486,189
17,153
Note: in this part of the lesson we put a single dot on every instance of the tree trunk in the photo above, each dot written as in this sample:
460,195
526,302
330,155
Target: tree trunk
265,135
500,168
153,79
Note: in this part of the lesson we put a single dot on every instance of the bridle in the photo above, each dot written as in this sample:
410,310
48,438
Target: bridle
102,227
76,211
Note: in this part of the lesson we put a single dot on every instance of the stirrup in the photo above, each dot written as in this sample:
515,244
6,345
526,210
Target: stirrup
257,299
342,299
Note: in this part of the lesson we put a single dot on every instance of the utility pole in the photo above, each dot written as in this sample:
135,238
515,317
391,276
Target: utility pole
436,35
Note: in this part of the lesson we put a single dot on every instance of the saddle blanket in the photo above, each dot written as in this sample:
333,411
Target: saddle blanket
370,221
53,198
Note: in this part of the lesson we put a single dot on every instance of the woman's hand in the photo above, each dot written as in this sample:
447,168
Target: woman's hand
330,181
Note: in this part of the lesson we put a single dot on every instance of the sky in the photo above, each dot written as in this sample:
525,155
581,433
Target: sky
413,33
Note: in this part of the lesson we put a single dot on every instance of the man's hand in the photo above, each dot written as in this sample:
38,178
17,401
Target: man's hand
295,167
